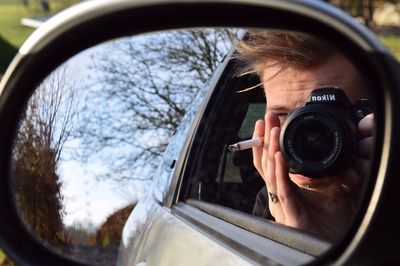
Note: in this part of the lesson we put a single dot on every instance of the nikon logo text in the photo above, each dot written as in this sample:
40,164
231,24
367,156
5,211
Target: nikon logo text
323,98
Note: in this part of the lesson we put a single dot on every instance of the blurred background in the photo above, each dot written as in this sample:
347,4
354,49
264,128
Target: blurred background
19,18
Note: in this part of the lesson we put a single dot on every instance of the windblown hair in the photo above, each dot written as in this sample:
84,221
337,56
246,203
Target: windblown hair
261,49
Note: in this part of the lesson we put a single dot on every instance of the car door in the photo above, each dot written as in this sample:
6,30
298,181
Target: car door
209,217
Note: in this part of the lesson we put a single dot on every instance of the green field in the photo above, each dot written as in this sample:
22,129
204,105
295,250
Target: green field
11,29
393,44
12,32
12,11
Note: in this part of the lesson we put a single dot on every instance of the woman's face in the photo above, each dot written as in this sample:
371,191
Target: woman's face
290,88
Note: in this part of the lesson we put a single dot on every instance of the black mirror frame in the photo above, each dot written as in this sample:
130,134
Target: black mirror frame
93,22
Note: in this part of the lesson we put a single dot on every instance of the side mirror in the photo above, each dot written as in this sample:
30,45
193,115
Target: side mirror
93,23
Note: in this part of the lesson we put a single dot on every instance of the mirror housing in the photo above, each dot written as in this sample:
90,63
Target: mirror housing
92,22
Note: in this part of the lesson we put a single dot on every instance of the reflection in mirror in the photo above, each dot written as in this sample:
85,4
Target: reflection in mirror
94,131
312,150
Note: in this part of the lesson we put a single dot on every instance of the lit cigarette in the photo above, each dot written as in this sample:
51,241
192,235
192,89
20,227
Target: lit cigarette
247,144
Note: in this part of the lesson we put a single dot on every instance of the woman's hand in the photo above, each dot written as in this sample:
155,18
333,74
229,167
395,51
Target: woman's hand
322,208
365,145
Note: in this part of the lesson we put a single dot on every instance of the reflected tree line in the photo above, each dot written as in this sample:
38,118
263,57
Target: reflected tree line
140,89
44,128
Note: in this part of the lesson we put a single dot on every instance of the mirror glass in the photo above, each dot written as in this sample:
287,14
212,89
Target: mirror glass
94,132
306,111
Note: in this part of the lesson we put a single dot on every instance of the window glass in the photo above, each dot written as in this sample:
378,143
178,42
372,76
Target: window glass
222,177
320,126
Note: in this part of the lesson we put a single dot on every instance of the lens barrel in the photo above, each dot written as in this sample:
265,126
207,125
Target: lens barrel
317,140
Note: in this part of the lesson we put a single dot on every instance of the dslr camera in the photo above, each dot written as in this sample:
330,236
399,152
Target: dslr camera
319,139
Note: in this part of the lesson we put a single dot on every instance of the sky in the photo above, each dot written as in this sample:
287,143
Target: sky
88,201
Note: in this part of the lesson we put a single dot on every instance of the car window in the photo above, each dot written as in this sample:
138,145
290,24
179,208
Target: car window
231,165
225,185
217,176
222,177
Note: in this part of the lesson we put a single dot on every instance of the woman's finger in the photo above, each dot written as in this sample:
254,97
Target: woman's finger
362,167
268,161
286,194
366,126
365,146
273,148
259,131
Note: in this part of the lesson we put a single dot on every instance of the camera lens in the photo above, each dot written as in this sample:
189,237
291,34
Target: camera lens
319,138
313,141
316,141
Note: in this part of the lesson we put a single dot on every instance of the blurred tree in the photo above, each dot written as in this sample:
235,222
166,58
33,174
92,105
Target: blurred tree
81,234
46,7
44,128
363,9
142,88
110,232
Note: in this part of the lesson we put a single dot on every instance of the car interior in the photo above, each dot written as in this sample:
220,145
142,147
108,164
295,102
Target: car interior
220,176
225,184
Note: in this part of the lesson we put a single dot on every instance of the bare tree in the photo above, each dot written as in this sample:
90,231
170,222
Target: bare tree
44,128
142,88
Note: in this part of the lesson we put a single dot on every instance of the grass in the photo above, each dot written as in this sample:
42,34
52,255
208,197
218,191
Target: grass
11,29
12,32
12,11
393,44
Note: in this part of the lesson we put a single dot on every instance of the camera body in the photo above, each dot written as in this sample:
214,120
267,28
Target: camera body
320,138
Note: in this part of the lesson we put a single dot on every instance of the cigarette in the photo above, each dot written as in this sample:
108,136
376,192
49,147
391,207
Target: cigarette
246,144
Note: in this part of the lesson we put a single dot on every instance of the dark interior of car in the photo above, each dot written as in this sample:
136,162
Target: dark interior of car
225,184
220,176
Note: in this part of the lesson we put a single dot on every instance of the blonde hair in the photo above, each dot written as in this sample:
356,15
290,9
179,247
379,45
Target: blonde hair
261,49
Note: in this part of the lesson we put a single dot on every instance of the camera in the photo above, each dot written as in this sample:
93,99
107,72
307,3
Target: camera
319,139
